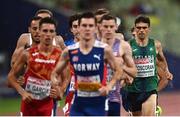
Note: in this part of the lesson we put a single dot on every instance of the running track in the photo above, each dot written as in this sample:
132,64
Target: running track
169,101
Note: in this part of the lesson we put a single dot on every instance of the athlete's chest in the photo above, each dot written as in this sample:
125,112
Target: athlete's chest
39,60
88,62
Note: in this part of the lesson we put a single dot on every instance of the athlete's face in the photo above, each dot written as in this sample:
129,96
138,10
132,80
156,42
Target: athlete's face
47,33
34,30
74,28
142,30
98,18
108,28
87,28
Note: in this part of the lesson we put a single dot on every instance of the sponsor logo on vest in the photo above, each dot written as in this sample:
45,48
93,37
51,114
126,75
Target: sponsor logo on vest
75,58
134,50
34,54
44,61
97,56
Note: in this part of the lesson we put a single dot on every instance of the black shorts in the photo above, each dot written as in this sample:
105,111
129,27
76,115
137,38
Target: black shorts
133,101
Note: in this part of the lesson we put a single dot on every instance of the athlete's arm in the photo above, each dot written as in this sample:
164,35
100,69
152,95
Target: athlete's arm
162,68
162,84
14,58
66,77
162,60
129,67
23,40
16,54
117,71
21,43
14,73
61,65
163,81
60,42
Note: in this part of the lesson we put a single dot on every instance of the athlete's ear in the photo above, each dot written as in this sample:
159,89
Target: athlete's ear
71,30
149,30
29,29
116,27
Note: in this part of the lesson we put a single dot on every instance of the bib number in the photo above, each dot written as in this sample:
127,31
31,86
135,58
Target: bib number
39,88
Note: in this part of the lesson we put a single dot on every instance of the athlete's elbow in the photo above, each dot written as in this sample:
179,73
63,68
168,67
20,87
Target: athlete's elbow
9,80
134,72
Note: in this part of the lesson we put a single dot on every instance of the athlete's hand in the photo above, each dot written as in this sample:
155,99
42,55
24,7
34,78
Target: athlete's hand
27,97
56,92
129,79
104,90
21,80
168,75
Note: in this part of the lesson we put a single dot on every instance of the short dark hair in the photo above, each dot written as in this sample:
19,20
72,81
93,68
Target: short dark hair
44,11
47,20
142,18
73,18
107,17
35,18
87,15
101,11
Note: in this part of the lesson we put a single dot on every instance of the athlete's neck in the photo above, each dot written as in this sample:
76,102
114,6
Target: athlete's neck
45,49
109,41
34,43
86,45
142,42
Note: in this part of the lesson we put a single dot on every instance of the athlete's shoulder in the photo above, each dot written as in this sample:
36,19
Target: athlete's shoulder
157,44
23,40
59,38
157,41
25,36
56,48
125,44
119,36
59,41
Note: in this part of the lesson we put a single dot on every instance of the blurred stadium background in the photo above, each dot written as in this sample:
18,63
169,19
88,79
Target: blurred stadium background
15,15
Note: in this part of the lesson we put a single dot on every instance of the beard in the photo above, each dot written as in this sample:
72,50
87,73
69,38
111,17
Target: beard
109,36
141,36
36,40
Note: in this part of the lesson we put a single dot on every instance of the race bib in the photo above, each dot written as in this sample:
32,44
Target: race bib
39,88
72,84
145,67
88,86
